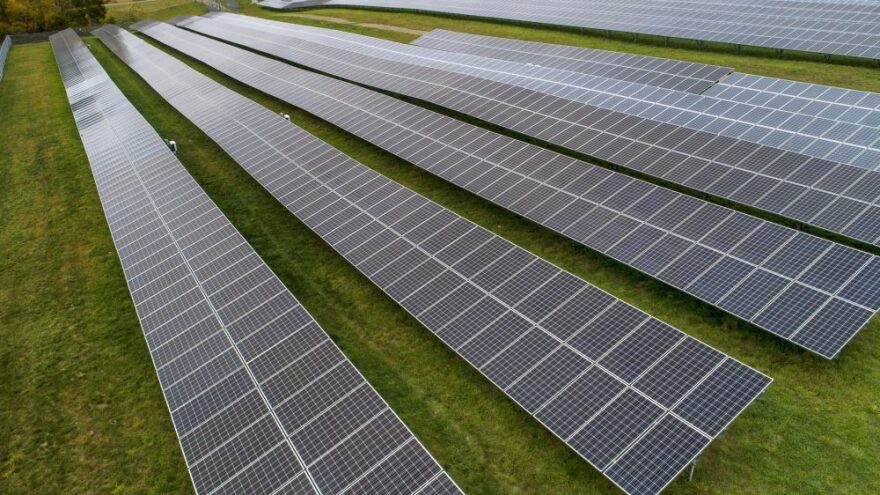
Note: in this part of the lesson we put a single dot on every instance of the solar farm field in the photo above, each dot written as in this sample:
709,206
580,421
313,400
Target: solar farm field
80,409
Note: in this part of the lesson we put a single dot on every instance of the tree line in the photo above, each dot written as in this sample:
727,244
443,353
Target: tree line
33,16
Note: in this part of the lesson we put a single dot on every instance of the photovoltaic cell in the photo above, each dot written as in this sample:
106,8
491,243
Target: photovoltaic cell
676,238
458,288
221,328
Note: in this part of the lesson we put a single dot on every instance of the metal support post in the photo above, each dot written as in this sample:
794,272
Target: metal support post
693,467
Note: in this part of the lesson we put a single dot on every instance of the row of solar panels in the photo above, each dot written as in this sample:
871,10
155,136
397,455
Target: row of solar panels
261,399
813,292
835,132
660,72
620,387
832,196
850,28
4,53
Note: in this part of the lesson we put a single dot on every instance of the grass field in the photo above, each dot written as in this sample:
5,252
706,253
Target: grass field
81,411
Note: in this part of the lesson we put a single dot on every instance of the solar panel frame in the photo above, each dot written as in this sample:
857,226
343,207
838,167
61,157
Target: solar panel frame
216,319
687,221
436,292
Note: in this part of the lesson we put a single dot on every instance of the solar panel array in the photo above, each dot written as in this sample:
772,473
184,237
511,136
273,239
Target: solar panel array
835,197
793,125
4,52
759,271
635,397
850,28
652,71
261,399
809,135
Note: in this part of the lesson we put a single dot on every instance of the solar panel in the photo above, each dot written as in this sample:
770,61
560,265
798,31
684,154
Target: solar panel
818,192
783,122
855,114
630,220
603,376
846,105
4,52
261,399
652,71
834,28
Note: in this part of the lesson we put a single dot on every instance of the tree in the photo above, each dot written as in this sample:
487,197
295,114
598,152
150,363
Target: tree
23,16
87,12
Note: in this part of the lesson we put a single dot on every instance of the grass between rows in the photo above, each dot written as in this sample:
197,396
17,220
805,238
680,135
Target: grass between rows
72,346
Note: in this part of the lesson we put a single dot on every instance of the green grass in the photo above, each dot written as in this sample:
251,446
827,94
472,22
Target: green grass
160,10
64,310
